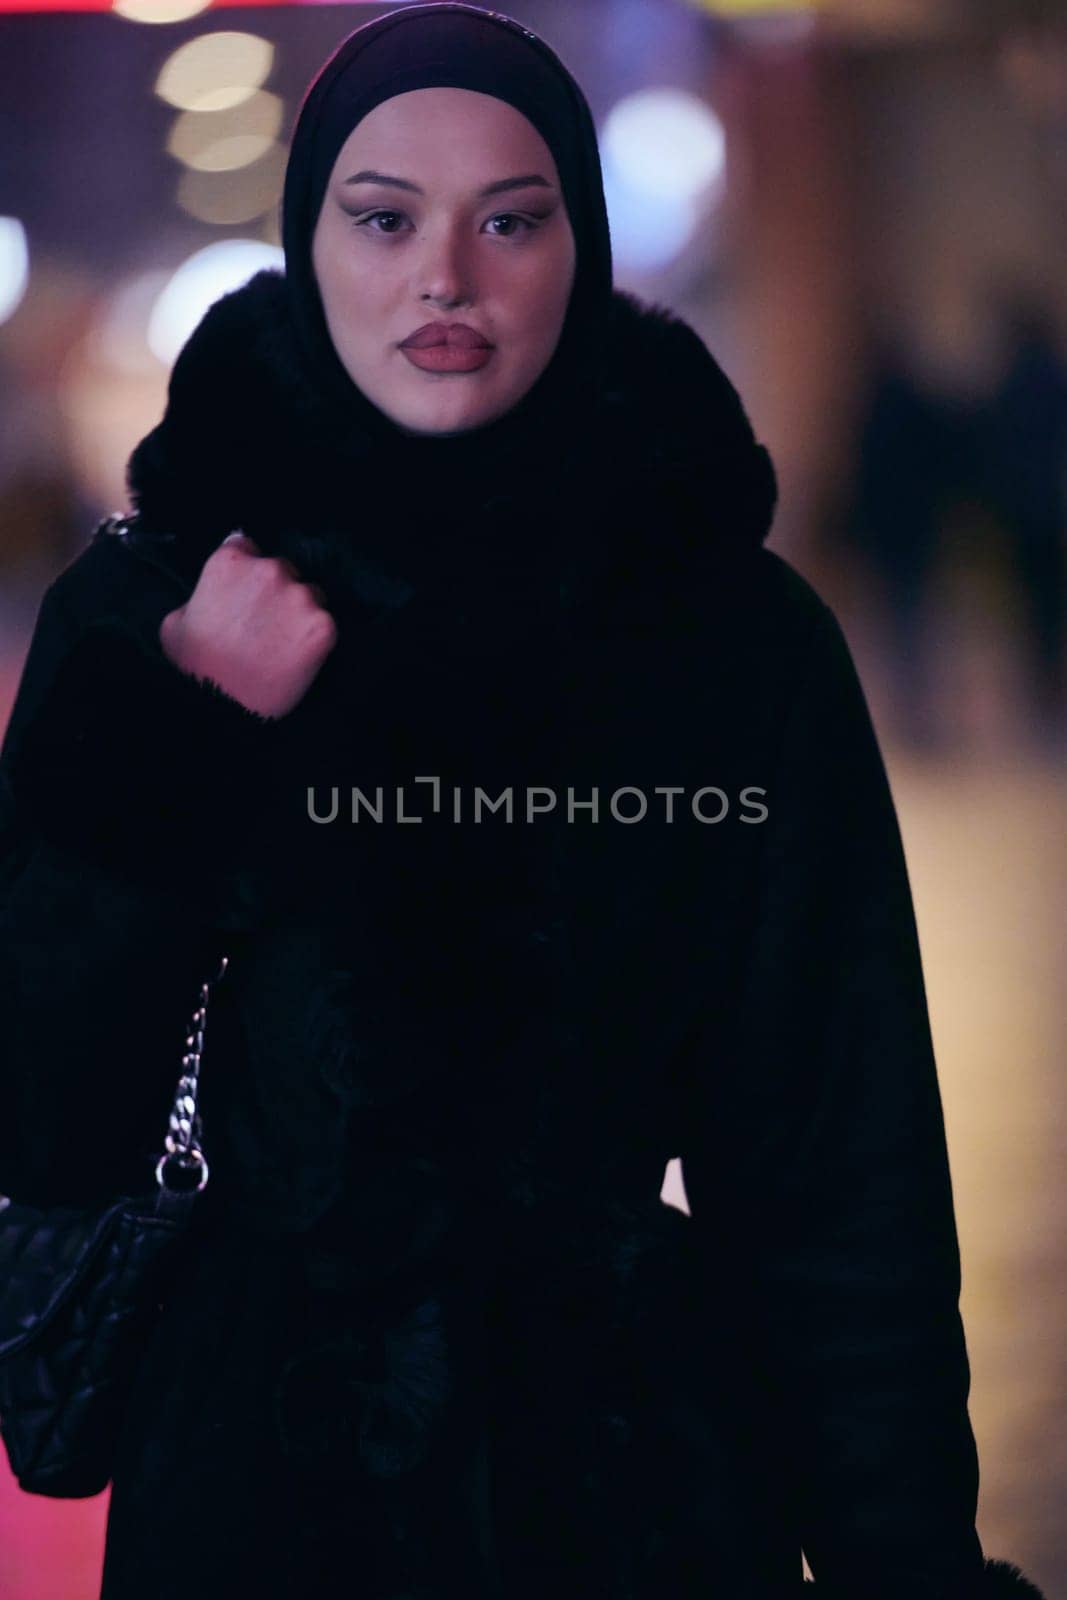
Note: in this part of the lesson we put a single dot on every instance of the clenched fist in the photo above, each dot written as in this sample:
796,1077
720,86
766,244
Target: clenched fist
252,627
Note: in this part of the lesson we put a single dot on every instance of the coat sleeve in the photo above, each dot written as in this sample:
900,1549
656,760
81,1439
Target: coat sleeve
122,784
816,1144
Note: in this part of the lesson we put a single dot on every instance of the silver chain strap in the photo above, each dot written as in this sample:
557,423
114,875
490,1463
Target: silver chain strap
182,1144
117,524
181,1147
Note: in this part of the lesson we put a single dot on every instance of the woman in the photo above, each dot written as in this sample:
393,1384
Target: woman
436,1333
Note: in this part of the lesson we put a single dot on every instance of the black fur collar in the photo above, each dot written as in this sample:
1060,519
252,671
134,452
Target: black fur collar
669,456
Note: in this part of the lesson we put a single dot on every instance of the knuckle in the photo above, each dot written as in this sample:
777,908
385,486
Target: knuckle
326,629
270,576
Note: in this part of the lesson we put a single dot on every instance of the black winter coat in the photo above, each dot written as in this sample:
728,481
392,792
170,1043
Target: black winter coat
436,1333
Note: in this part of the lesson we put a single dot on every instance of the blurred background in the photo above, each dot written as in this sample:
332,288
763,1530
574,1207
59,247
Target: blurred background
861,206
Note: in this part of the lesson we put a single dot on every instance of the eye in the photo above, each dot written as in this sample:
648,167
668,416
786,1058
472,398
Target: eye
386,222
526,225
362,222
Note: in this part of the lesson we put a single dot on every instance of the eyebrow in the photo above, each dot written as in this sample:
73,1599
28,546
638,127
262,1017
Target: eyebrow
527,180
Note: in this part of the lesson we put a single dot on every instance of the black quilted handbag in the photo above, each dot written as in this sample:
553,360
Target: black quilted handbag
80,1292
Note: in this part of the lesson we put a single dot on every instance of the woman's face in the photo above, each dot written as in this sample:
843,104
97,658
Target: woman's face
423,242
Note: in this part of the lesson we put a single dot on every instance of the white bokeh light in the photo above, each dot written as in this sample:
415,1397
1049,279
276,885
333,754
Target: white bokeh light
215,71
665,142
647,230
14,265
222,141
198,283
159,11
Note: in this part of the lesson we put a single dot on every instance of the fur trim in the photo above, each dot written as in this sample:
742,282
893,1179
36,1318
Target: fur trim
1000,1581
246,440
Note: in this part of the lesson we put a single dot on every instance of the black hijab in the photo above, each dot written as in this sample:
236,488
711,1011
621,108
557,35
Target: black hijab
458,46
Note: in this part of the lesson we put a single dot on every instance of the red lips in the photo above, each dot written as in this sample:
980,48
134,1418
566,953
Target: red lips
456,335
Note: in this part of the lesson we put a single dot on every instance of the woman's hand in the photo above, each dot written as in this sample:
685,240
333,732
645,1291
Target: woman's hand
252,627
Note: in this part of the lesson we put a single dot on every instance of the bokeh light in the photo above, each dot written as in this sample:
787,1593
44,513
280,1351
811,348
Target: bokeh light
14,265
663,154
215,72
159,10
755,8
198,283
224,199
647,231
219,141
666,142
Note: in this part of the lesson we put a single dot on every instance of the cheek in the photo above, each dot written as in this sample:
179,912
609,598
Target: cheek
545,304
354,297
344,272
327,257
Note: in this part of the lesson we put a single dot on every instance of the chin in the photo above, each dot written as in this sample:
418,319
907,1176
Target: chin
444,421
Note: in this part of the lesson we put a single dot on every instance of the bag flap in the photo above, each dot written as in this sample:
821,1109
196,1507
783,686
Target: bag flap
44,1252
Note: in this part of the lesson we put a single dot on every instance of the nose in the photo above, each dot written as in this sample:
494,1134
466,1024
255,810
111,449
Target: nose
445,271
